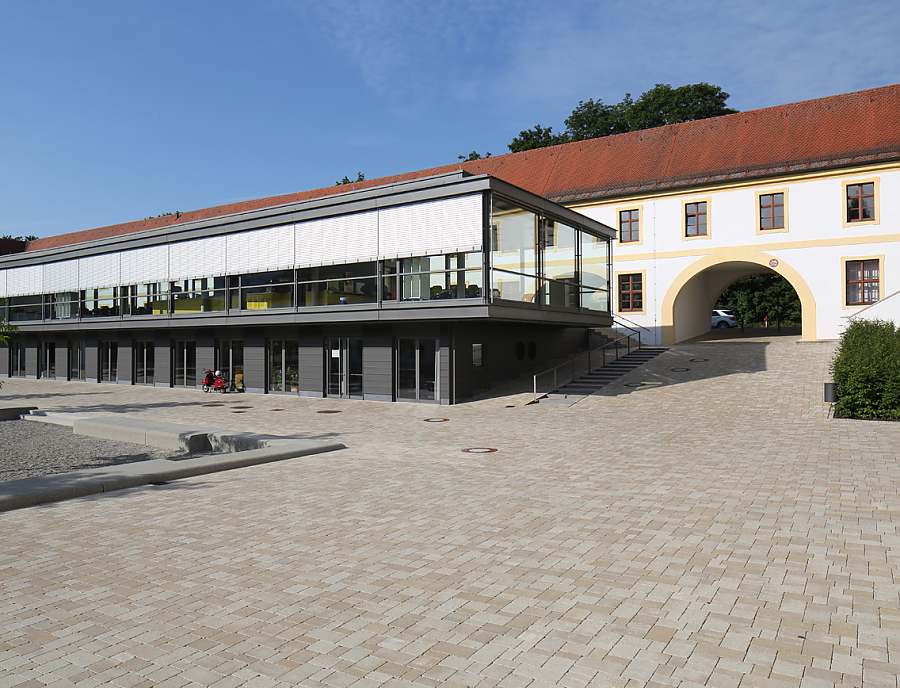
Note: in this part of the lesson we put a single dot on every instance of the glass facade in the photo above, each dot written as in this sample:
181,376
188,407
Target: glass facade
545,262
529,258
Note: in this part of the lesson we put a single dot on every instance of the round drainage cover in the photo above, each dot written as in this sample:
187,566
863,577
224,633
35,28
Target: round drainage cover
328,411
213,404
634,384
680,370
436,420
479,450
699,360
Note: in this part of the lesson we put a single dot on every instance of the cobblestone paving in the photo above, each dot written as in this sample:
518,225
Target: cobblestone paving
711,527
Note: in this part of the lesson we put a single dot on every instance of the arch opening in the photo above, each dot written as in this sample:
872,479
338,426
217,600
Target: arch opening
692,296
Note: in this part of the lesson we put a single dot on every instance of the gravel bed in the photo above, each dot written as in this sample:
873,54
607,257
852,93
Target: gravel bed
29,449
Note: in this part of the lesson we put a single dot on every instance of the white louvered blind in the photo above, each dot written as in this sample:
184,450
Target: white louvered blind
140,265
259,250
3,283
99,271
25,280
441,226
197,258
342,239
61,276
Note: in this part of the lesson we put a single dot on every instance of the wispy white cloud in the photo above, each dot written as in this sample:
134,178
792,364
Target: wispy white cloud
533,55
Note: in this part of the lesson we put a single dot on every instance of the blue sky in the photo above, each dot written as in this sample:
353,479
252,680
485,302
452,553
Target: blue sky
114,111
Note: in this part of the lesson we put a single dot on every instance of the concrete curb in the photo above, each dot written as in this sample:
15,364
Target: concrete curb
241,450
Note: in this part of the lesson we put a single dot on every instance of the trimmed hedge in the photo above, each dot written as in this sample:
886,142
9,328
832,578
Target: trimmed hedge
866,371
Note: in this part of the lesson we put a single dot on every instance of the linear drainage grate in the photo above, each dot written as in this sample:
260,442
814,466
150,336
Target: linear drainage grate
242,407
436,420
329,411
479,450
213,404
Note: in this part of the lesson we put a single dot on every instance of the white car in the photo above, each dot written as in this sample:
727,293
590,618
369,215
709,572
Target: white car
722,320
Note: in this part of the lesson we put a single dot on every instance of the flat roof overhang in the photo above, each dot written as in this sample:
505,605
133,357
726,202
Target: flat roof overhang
506,311
402,193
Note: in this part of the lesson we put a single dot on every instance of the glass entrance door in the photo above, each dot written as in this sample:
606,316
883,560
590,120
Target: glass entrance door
109,358
47,360
144,358
344,367
184,364
230,360
417,369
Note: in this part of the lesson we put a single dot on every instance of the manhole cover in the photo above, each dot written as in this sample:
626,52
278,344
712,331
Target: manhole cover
479,450
634,384
277,409
436,420
699,360
680,370
213,404
239,412
242,407
328,411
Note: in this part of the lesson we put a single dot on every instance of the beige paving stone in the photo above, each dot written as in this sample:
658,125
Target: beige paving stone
713,529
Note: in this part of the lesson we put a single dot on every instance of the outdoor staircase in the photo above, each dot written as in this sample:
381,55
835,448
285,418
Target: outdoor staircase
600,377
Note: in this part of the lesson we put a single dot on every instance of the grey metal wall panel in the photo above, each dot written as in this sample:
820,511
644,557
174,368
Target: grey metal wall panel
91,361
162,361
254,363
4,361
378,365
312,364
206,356
62,359
125,361
31,359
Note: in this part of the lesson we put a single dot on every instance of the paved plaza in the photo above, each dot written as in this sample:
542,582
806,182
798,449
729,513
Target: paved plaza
711,527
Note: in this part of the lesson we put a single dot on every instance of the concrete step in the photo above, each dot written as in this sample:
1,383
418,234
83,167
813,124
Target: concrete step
600,377
53,417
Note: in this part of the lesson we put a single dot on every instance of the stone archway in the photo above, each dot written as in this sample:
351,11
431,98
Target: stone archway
689,299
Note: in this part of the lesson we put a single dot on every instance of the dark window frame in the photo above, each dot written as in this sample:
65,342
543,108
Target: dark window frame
630,226
771,205
866,285
630,285
694,210
856,195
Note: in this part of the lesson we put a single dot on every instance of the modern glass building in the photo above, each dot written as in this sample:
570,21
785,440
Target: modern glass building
430,290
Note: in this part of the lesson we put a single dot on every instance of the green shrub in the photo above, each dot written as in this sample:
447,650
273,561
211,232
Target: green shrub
866,371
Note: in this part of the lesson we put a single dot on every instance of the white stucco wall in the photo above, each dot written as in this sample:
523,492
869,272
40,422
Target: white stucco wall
810,252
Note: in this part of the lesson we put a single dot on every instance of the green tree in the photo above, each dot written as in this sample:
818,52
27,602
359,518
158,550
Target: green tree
657,107
474,155
360,177
536,137
754,298
27,237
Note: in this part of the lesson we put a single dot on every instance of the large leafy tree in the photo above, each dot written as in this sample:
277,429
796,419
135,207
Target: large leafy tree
657,107
757,297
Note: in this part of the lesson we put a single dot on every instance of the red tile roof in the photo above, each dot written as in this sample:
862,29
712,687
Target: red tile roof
813,134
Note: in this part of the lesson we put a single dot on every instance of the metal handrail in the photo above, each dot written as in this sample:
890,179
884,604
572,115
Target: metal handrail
583,363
